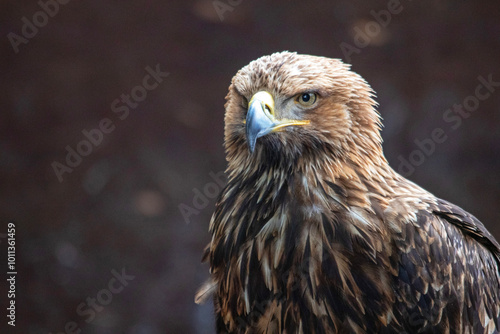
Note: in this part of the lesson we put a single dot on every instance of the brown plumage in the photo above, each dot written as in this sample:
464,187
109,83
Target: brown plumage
316,233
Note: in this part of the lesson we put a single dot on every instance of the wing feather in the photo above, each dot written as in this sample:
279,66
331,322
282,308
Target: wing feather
448,277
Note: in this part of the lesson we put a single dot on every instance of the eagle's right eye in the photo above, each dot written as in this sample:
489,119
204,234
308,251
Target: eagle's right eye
307,99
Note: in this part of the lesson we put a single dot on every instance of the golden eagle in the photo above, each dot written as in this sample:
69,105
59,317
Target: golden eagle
316,233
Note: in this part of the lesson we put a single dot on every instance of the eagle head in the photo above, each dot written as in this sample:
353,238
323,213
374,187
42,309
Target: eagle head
296,109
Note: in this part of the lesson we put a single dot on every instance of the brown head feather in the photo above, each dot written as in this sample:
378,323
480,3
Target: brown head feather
344,123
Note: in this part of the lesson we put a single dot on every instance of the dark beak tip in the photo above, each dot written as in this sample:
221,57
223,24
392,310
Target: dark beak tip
251,141
251,148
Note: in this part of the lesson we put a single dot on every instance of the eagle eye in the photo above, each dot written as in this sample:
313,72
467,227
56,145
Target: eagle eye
244,102
307,99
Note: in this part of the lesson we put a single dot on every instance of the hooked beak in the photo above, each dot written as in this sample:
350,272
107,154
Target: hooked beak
261,119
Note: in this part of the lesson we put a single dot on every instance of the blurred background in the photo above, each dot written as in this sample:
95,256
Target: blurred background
109,166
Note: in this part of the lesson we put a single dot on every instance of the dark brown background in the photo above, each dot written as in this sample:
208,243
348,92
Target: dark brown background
120,207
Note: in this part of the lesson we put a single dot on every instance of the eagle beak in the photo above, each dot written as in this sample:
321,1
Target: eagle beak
261,118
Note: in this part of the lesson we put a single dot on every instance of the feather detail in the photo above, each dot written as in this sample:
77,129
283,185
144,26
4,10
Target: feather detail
205,292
